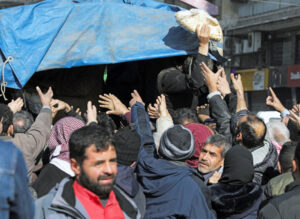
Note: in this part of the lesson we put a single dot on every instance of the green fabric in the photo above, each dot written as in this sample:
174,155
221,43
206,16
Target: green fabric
279,183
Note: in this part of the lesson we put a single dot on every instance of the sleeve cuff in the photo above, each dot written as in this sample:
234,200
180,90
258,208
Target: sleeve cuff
46,107
285,113
210,95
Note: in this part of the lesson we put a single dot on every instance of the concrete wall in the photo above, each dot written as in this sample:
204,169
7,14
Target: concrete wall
255,8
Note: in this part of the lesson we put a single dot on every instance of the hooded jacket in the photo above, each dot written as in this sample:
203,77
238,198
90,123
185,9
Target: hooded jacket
170,189
236,201
236,196
264,161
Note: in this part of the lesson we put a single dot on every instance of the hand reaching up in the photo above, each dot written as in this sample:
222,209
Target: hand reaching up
274,101
223,85
45,98
237,83
161,101
210,78
16,105
113,104
135,98
91,113
153,111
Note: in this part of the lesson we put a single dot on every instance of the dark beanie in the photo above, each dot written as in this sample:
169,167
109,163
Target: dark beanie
177,143
238,166
127,144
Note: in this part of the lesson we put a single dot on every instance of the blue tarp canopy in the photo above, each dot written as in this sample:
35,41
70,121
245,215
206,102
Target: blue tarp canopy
63,34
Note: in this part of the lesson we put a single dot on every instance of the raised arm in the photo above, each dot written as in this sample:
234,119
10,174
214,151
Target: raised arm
141,119
238,86
218,108
35,139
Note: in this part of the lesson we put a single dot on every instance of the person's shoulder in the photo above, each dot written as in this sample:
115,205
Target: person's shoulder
281,179
9,151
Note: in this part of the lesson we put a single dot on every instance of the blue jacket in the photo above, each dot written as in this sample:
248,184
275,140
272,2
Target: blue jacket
170,190
15,198
127,181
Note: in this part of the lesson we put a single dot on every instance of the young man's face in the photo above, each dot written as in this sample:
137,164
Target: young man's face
210,158
99,170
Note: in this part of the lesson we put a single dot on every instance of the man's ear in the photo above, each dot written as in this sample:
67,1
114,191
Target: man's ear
75,166
239,136
279,167
10,130
295,167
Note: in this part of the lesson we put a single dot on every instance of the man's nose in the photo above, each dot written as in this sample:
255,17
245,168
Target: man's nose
108,168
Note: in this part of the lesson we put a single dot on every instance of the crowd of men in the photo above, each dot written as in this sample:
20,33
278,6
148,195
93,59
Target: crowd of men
175,158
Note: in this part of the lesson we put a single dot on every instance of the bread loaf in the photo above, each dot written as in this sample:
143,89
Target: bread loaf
189,20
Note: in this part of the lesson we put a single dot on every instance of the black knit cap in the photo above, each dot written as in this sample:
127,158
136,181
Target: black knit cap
177,143
238,166
127,144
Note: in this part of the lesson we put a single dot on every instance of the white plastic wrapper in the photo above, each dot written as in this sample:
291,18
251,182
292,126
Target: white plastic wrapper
189,20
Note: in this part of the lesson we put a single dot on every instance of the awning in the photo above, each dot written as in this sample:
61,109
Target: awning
64,33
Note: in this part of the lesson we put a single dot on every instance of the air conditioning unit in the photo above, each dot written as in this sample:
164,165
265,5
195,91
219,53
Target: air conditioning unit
252,43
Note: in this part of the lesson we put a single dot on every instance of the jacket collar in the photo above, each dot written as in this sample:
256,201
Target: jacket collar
294,185
64,200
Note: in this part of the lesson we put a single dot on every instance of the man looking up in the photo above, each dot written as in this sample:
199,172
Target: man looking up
211,159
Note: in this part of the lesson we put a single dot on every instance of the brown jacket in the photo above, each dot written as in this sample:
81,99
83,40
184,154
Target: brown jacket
34,140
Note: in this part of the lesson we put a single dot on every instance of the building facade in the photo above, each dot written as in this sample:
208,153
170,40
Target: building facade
262,40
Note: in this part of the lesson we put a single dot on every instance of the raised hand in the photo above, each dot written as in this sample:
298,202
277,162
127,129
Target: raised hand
91,113
203,37
153,111
237,82
223,85
161,101
210,78
57,105
274,101
113,104
295,118
135,98
16,105
45,98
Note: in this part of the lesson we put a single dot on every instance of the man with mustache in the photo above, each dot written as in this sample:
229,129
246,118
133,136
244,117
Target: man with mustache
211,158
93,193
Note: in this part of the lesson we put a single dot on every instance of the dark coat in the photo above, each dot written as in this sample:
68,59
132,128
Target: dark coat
265,170
48,178
236,201
285,205
183,88
126,180
170,190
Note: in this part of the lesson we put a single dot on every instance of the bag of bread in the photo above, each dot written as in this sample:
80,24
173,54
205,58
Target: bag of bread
189,20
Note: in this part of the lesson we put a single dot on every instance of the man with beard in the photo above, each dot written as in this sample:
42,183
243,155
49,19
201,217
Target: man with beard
92,193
